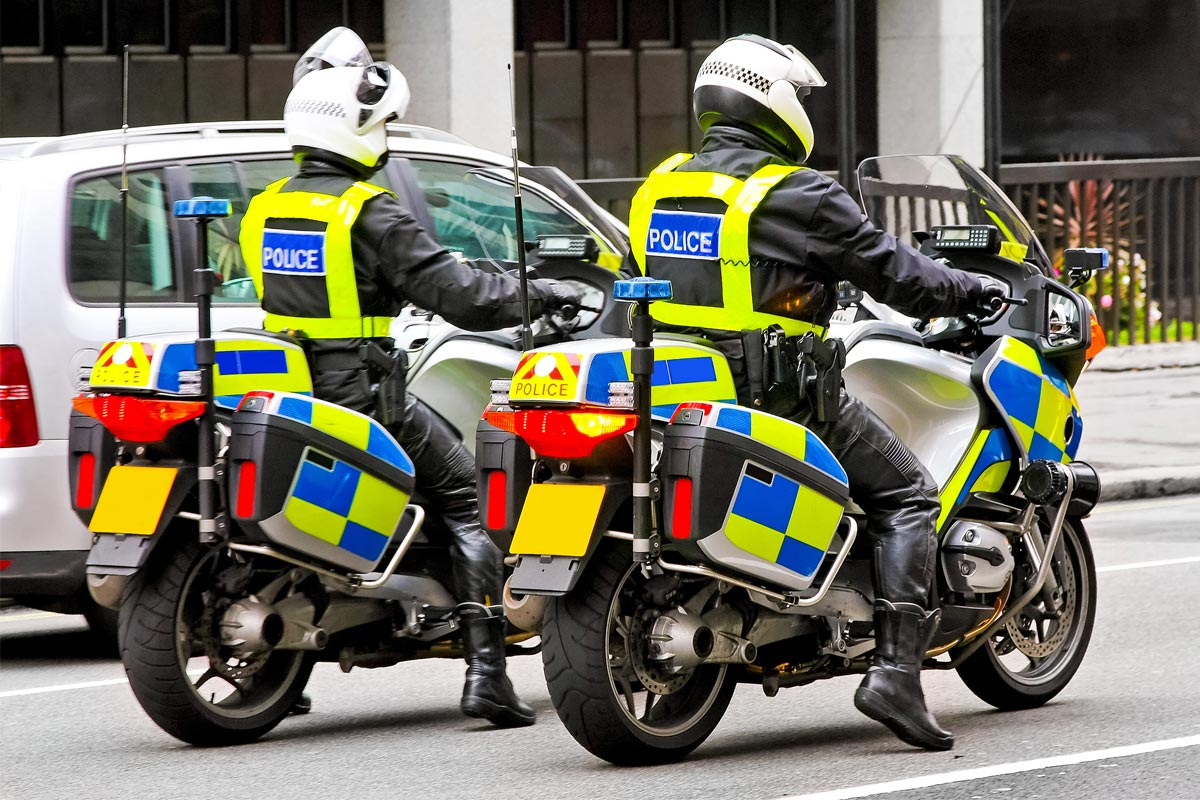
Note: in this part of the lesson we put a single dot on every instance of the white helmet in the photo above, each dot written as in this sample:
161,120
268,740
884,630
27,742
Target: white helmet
341,102
752,82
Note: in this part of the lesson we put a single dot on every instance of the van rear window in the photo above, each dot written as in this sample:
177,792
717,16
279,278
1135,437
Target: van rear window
95,247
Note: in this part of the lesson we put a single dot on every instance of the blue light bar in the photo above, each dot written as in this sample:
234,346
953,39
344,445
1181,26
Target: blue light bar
642,289
203,207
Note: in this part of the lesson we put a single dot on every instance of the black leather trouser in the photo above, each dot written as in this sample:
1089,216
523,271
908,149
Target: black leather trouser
445,479
895,491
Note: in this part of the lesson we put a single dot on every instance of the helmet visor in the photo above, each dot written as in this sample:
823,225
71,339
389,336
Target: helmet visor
340,47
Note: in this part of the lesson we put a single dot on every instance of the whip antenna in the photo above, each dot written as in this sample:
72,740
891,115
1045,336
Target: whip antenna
122,289
526,329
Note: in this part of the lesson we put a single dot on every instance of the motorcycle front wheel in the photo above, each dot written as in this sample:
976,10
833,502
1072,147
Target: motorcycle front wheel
606,694
170,645
1034,656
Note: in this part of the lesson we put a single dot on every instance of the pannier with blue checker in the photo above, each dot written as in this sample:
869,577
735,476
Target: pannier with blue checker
317,479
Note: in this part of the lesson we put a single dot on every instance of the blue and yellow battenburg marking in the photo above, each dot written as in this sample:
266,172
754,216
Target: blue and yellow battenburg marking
681,374
774,516
335,501
343,505
1039,405
243,365
984,468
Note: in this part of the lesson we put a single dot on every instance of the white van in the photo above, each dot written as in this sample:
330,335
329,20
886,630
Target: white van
60,266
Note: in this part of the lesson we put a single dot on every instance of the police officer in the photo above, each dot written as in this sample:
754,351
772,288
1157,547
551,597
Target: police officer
334,257
761,244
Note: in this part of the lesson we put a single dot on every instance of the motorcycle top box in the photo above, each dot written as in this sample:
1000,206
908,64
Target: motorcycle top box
750,491
316,478
165,364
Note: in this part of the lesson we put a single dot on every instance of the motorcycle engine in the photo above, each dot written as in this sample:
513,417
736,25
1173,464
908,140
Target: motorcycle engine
976,558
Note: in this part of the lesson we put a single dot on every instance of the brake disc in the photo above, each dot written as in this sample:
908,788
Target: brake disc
1021,630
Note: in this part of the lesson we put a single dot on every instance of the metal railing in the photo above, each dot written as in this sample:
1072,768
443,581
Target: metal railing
1145,211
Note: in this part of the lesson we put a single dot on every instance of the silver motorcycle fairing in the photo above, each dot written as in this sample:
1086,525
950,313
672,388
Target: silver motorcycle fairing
925,396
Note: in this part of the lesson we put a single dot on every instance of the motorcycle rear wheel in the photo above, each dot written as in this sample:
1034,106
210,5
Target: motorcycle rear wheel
1030,660
161,635
587,655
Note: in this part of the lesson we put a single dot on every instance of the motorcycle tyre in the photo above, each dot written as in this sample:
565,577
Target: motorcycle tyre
576,669
146,636
992,683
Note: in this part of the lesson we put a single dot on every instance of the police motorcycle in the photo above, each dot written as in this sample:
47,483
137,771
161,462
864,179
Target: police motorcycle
669,544
247,530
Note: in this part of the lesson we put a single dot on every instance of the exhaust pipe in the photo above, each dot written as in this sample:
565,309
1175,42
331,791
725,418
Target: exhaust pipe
524,612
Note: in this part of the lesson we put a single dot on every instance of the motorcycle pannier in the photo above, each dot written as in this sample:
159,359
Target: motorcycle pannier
751,492
316,479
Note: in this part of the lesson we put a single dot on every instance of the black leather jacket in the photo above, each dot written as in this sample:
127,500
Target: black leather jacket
809,221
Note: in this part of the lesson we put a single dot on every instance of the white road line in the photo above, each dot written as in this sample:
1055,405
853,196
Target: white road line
28,615
64,687
924,782
1166,562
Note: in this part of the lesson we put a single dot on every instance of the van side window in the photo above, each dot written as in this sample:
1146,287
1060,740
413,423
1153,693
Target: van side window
472,210
224,253
95,252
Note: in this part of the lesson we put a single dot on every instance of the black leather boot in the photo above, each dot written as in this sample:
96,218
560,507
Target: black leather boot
891,691
488,693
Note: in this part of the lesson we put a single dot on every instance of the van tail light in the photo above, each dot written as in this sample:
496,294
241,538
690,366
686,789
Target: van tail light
563,434
136,419
497,500
85,485
681,509
247,482
18,417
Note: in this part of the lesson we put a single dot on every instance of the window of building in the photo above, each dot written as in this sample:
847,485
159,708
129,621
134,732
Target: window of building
22,26
95,248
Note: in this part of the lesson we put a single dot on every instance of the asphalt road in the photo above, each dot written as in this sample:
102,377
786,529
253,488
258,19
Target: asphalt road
1128,726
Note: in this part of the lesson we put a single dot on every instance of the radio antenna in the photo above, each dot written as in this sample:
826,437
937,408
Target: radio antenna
526,328
122,289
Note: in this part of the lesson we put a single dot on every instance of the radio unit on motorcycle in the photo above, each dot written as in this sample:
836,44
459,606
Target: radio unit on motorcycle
980,238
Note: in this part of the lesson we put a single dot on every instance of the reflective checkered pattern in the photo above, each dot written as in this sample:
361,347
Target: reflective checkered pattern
1041,408
737,73
344,506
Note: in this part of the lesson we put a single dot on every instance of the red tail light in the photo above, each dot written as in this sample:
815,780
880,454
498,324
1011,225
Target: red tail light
85,481
136,419
563,434
18,417
247,482
497,499
681,511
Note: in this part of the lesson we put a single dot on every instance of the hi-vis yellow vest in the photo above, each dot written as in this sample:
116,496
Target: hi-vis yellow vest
297,250
703,251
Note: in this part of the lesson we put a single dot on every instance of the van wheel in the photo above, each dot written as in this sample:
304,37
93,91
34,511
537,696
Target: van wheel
192,686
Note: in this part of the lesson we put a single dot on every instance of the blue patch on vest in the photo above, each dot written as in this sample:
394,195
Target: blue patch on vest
293,252
684,234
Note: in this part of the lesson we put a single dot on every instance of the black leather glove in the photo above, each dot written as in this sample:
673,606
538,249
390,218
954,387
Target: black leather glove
991,294
557,295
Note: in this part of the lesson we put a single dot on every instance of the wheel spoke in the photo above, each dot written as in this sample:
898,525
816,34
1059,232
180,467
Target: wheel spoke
211,673
651,697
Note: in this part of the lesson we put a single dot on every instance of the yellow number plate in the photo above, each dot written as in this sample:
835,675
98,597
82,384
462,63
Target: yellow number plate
557,519
133,499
